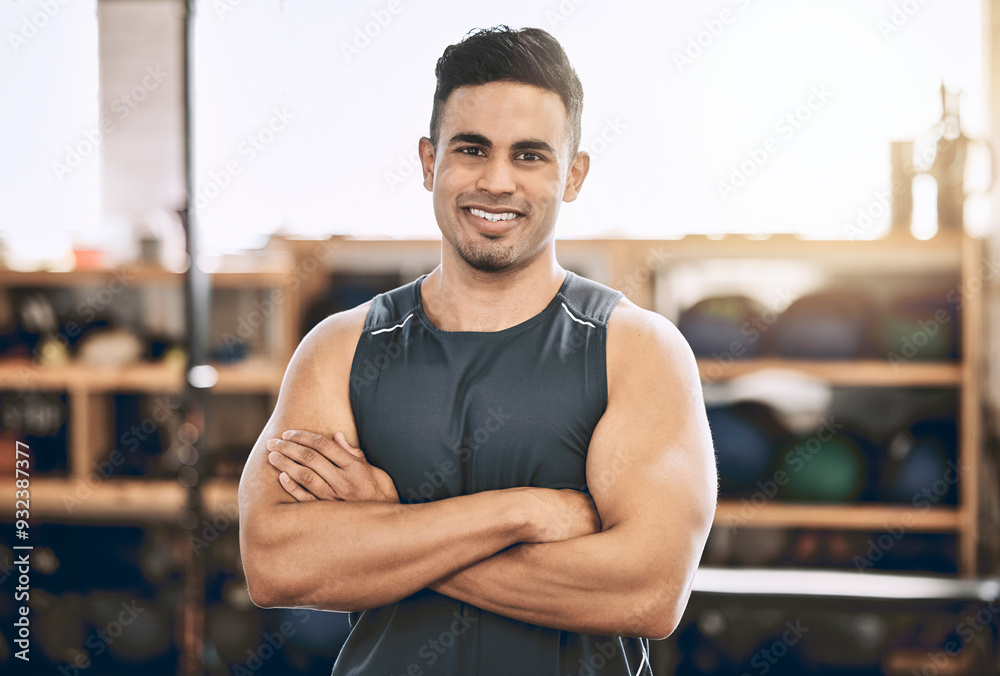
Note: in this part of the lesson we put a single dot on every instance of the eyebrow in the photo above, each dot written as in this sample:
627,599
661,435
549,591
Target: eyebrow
479,139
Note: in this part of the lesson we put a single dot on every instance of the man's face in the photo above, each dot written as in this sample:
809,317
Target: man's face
501,168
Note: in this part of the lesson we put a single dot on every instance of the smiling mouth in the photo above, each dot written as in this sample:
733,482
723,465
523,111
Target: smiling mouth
494,218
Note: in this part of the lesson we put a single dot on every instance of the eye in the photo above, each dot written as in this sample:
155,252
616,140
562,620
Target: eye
530,157
471,150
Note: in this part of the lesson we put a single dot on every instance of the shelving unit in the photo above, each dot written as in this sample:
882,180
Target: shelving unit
959,255
638,266
138,500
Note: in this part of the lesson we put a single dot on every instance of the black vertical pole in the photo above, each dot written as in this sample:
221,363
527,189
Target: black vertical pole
199,376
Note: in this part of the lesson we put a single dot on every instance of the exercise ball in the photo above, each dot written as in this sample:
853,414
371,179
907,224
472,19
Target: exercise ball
746,436
920,464
723,325
831,470
834,324
921,326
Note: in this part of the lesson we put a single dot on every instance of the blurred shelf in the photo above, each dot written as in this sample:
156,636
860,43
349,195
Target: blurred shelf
252,375
941,253
860,372
263,273
874,517
114,500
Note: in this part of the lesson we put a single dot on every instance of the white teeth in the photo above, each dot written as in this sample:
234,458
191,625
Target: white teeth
493,218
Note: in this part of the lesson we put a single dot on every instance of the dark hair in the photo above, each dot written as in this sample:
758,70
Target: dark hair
530,56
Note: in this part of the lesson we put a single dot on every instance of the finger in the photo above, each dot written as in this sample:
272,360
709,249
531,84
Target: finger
342,440
295,490
304,476
321,444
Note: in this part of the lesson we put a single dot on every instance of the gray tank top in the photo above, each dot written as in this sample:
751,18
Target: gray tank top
452,413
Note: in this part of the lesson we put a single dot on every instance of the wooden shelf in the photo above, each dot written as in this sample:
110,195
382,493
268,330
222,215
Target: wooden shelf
863,517
115,500
859,372
265,273
252,375
941,253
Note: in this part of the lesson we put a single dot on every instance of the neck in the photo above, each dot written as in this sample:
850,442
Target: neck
457,297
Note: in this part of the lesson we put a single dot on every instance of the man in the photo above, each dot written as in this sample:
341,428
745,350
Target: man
502,467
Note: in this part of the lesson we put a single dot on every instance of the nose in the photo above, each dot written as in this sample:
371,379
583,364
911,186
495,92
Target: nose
497,177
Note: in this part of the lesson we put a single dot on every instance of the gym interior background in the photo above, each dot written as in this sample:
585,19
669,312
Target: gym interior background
805,188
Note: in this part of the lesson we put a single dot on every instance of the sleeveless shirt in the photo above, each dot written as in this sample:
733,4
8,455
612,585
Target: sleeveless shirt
453,413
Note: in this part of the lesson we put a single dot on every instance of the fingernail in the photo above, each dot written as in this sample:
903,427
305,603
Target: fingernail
283,477
272,444
287,433
273,457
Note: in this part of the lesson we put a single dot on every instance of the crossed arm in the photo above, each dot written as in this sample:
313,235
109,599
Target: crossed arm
621,565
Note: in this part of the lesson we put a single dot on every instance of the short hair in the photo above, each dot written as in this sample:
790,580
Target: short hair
529,56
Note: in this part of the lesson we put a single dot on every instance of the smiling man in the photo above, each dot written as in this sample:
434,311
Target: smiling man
526,483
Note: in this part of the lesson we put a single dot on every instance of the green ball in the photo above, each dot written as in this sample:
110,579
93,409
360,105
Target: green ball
824,471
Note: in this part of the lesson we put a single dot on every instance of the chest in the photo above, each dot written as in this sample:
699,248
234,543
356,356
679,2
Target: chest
447,419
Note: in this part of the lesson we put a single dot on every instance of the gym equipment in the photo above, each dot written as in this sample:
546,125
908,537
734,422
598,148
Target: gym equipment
921,326
830,470
833,324
730,326
919,464
746,435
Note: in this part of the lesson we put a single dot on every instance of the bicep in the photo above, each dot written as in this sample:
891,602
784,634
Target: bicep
651,464
314,397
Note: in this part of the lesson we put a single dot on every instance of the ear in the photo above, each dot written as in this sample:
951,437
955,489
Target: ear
426,151
574,178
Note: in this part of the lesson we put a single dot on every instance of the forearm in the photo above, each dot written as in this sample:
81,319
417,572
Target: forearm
351,556
600,584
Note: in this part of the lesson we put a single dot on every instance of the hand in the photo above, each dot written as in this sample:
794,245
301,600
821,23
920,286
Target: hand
561,514
312,467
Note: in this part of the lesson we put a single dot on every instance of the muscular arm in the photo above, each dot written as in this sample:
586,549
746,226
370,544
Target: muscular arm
338,555
651,472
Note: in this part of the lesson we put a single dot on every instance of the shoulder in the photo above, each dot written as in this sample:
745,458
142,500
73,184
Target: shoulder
331,343
589,299
644,344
